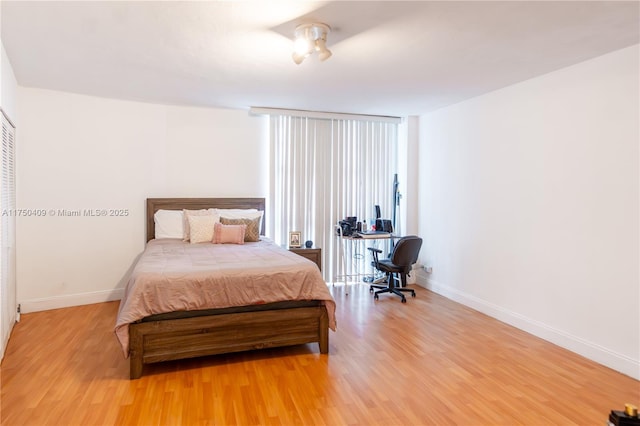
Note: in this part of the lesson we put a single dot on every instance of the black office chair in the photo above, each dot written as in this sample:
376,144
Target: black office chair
404,254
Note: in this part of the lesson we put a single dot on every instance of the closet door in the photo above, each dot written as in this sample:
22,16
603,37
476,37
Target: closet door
7,232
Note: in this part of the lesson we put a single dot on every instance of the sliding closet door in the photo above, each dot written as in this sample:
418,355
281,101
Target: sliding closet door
7,233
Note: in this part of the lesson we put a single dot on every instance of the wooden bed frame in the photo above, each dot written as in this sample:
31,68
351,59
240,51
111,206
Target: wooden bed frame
224,330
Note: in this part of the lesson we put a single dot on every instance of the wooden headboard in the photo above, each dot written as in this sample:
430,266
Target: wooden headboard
155,204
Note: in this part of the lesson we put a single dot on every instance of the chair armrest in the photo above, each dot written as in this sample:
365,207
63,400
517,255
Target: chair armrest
374,253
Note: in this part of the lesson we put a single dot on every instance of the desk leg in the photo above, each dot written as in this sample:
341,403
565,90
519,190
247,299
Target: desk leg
342,260
344,265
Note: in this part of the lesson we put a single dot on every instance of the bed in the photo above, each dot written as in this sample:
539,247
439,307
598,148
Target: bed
186,300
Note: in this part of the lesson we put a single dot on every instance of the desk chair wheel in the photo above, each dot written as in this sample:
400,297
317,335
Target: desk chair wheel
403,300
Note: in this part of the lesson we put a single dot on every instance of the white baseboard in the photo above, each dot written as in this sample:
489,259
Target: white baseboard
66,301
592,351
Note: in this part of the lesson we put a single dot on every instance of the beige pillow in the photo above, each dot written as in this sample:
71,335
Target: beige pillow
240,214
252,233
185,215
201,228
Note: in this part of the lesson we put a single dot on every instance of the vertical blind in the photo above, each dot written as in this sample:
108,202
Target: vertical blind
7,233
323,170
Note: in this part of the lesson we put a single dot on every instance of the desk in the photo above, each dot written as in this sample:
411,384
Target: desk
359,257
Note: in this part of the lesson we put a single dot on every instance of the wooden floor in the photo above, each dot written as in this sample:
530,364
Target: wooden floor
429,361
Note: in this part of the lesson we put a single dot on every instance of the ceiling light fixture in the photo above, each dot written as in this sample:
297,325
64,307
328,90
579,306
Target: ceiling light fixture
310,38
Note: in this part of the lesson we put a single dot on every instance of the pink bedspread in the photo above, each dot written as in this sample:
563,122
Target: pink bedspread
172,275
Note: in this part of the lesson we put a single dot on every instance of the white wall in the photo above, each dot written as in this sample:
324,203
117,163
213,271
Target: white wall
529,206
408,174
82,152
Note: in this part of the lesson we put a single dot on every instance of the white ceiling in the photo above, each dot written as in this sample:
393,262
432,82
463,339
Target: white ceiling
389,57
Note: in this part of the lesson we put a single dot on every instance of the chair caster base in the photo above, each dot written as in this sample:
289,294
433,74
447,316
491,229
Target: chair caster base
395,291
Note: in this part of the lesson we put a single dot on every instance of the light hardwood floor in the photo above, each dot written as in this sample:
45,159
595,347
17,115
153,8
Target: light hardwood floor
429,361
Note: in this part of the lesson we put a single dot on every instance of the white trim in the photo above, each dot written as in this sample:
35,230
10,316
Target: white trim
590,350
324,115
69,300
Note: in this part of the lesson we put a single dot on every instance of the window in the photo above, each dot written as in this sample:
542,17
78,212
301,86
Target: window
324,169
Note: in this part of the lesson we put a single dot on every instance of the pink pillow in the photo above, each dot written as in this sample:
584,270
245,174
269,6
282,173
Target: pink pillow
228,234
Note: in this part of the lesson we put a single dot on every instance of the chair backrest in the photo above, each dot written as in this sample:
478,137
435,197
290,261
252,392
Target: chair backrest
405,252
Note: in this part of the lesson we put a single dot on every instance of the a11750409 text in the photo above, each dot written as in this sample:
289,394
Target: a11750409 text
65,212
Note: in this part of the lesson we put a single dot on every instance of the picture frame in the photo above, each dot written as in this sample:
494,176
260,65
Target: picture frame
295,239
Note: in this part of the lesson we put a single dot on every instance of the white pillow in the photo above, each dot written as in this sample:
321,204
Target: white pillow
201,228
168,224
235,213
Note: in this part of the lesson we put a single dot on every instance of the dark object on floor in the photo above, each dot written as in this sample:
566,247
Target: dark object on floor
397,266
